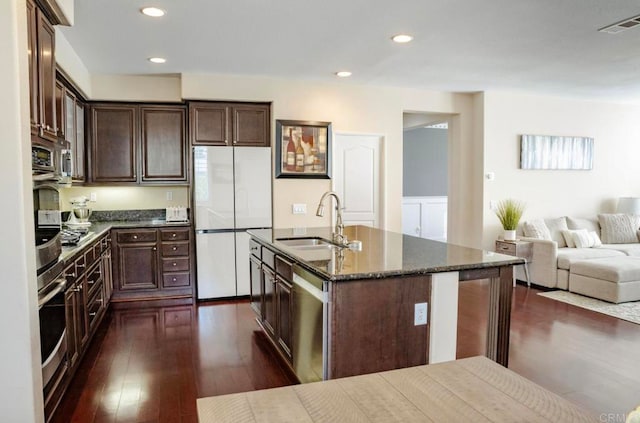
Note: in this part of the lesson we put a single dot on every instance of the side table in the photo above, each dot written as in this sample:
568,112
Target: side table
522,249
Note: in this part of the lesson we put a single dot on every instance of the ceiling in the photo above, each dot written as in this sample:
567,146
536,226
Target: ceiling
545,46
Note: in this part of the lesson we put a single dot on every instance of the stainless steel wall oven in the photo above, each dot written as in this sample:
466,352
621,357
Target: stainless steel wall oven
52,313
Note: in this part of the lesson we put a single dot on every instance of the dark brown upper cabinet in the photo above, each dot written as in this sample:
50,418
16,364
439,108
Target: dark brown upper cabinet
114,130
232,124
209,123
144,144
251,125
70,114
164,156
42,74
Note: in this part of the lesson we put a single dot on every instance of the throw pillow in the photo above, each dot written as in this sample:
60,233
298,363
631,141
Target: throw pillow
585,239
568,237
556,226
619,228
536,229
588,224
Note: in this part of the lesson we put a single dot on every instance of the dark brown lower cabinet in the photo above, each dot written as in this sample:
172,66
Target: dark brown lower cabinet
86,302
269,296
152,264
272,296
255,295
285,306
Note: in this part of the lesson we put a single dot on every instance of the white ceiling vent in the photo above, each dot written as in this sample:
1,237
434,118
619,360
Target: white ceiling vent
621,26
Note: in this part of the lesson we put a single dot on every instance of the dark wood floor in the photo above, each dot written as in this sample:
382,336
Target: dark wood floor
150,365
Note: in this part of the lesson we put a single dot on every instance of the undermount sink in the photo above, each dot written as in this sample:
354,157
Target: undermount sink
306,243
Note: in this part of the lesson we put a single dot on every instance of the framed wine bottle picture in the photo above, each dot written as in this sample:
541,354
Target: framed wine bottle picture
303,149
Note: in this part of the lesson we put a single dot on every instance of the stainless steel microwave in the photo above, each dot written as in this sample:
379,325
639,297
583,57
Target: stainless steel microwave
42,160
51,164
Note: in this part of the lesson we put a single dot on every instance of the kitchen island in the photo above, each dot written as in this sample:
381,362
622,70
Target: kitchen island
332,311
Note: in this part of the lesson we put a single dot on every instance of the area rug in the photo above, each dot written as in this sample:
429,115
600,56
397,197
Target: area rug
624,311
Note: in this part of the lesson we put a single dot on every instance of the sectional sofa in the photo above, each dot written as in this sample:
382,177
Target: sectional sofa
598,257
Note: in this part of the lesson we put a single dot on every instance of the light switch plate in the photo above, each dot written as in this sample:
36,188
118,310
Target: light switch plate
299,208
420,314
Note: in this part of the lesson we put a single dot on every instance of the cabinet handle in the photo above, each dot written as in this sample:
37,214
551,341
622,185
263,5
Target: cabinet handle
173,235
154,248
70,275
81,266
174,248
135,237
93,314
175,264
175,279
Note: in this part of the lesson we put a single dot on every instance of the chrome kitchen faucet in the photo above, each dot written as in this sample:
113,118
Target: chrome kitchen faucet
338,232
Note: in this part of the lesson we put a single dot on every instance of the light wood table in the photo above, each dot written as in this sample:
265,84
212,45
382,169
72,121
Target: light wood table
470,390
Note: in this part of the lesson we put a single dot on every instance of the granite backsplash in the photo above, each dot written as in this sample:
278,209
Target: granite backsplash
124,215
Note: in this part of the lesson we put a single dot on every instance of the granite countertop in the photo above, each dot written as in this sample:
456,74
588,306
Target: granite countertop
384,254
97,229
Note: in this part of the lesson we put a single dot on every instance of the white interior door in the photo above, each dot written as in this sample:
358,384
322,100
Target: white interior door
411,218
356,177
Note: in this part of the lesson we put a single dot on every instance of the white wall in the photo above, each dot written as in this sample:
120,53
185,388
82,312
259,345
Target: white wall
71,64
553,193
127,198
136,87
21,381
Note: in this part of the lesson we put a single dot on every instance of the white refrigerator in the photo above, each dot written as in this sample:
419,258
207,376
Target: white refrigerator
232,193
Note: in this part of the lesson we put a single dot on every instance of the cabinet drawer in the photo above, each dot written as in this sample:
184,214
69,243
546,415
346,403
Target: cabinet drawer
94,278
506,248
175,264
81,265
171,280
178,234
136,236
284,268
269,258
104,243
95,307
89,257
70,274
254,248
175,249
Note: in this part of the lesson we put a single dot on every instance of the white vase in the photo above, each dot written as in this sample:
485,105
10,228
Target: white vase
509,235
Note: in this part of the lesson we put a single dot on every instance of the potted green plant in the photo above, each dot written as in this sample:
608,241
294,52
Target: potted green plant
509,212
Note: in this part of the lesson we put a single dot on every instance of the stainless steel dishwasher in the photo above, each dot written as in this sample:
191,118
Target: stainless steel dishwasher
310,299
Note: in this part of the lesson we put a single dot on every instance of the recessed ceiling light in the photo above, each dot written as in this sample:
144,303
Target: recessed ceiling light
343,74
157,59
402,38
154,12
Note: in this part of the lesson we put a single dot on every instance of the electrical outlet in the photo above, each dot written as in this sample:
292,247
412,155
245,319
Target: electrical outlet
93,197
299,208
493,204
169,195
420,314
